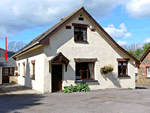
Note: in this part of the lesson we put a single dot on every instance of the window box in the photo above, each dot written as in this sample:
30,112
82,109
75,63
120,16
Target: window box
33,78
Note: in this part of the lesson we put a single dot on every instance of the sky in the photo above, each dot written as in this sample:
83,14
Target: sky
127,22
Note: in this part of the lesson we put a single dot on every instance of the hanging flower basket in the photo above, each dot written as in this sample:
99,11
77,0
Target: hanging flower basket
106,69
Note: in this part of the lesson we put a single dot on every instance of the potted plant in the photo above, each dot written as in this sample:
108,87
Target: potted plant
106,69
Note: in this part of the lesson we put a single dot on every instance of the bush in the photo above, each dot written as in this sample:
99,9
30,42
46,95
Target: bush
13,82
83,87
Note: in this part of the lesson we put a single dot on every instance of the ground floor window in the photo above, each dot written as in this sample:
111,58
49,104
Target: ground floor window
148,71
33,70
122,68
8,71
84,71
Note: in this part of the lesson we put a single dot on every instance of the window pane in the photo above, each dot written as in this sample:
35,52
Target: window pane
119,63
124,71
91,68
120,73
84,74
84,34
148,71
90,74
124,63
76,29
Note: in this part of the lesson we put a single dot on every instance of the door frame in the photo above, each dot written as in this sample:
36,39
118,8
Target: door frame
52,75
8,74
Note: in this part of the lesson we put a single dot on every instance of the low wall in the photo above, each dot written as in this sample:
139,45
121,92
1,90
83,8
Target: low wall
13,78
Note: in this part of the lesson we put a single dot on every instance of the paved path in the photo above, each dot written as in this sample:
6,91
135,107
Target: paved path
16,89
100,101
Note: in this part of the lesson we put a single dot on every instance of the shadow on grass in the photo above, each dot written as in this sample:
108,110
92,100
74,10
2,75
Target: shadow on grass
11,103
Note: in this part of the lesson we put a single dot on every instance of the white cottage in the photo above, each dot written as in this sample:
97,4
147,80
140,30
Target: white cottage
71,52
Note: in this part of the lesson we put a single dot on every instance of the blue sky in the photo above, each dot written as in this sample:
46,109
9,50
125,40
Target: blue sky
126,21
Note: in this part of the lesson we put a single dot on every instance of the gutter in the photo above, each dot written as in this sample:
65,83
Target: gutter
25,49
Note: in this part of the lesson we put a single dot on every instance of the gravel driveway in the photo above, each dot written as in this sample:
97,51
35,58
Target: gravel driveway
100,101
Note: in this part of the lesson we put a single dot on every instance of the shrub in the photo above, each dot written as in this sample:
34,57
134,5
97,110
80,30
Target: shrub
83,87
130,88
13,82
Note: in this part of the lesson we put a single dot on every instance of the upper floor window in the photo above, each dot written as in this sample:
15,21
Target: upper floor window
80,34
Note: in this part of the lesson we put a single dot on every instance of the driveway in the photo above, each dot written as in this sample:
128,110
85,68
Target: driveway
99,101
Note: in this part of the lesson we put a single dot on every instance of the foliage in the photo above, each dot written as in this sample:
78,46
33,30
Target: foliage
130,88
106,69
13,82
83,87
137,50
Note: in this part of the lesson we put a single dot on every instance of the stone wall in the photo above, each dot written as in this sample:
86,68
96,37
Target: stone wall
143,80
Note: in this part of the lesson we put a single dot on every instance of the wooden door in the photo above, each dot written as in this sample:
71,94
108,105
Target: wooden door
5,75
56,78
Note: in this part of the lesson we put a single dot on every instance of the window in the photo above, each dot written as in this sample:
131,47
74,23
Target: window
148,71
18,70
80,34
33,70
5,71
122,68
24,70
12,71
84,71
81,18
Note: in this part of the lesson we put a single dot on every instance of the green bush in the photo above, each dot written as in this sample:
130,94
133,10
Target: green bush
83,87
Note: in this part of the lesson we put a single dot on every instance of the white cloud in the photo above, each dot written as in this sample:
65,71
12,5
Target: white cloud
122,42
138,8
18,15
147,40
117,33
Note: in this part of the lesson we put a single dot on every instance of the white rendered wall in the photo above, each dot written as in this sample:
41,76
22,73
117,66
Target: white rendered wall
98,47
38,56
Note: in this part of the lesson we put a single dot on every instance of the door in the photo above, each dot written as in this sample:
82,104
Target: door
56,78
5,75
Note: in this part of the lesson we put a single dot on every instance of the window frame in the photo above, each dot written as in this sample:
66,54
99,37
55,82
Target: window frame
75,37
80,26
122,68
33,71
146,71
88,71
24,69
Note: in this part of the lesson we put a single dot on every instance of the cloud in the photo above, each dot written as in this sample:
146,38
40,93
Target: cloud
19,15
147,40
122,42
138,8
117,33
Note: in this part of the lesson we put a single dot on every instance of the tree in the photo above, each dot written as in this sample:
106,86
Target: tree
15,46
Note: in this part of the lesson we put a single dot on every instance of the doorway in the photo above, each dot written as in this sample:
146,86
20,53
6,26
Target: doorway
56,77
5,75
